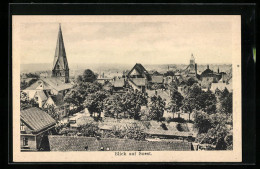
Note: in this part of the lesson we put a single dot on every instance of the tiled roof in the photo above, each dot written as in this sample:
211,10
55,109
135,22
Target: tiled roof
57,84
50,83
157,79
69,143
37,119
138,81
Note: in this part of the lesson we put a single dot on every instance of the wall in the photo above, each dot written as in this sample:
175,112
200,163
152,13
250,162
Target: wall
31,142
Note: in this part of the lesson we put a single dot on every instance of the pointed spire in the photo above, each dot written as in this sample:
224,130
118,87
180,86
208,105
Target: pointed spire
60,59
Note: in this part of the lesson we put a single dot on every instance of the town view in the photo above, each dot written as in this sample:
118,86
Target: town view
128,107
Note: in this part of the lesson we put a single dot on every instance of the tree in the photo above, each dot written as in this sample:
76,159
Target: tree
89,76
113,106
191,81
132,131
77,95
94,102
176,102
202,121
25,102
225,100
132,102
89,130
206,101
156,108
52,112
190,102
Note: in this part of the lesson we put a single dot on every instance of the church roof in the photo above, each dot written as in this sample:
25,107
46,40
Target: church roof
60,59
57,84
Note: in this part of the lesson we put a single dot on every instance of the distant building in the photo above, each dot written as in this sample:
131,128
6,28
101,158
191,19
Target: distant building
191,69
35,125
208,77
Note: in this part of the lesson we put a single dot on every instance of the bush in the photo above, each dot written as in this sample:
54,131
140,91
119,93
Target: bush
182,127
163,125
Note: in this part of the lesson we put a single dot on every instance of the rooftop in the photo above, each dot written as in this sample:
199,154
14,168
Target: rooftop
70,143
36,119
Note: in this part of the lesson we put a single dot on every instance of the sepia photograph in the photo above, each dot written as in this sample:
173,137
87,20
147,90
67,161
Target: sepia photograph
127,88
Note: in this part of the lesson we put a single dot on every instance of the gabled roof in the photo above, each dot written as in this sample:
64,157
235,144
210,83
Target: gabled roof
36,119
60,54
70,143
140,69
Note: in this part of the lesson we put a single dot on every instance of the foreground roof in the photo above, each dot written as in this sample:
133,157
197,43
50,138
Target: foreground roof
70,143
36,119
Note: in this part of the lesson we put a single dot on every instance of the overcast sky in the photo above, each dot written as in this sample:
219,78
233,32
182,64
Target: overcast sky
129,42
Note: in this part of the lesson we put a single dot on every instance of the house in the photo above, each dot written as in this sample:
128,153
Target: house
51,86
208,77
35,125
138,77
58,104
119,84
40,97
70,143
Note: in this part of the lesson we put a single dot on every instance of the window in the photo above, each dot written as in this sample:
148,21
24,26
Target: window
25,141
22,128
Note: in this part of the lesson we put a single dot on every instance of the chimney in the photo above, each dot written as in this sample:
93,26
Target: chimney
207,66
218,69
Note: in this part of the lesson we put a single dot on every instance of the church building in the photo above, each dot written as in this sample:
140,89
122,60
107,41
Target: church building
60,67
58,83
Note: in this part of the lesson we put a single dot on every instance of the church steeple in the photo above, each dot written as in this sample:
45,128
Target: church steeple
60,64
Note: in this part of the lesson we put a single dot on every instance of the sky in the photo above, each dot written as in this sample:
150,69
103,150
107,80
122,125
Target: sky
129,40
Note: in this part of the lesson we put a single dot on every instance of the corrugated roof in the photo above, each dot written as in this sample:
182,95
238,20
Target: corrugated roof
68,143
37,119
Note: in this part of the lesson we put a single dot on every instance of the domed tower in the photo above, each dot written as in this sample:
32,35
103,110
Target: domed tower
60,67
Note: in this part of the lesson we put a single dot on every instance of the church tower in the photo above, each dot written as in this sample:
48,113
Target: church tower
60,67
